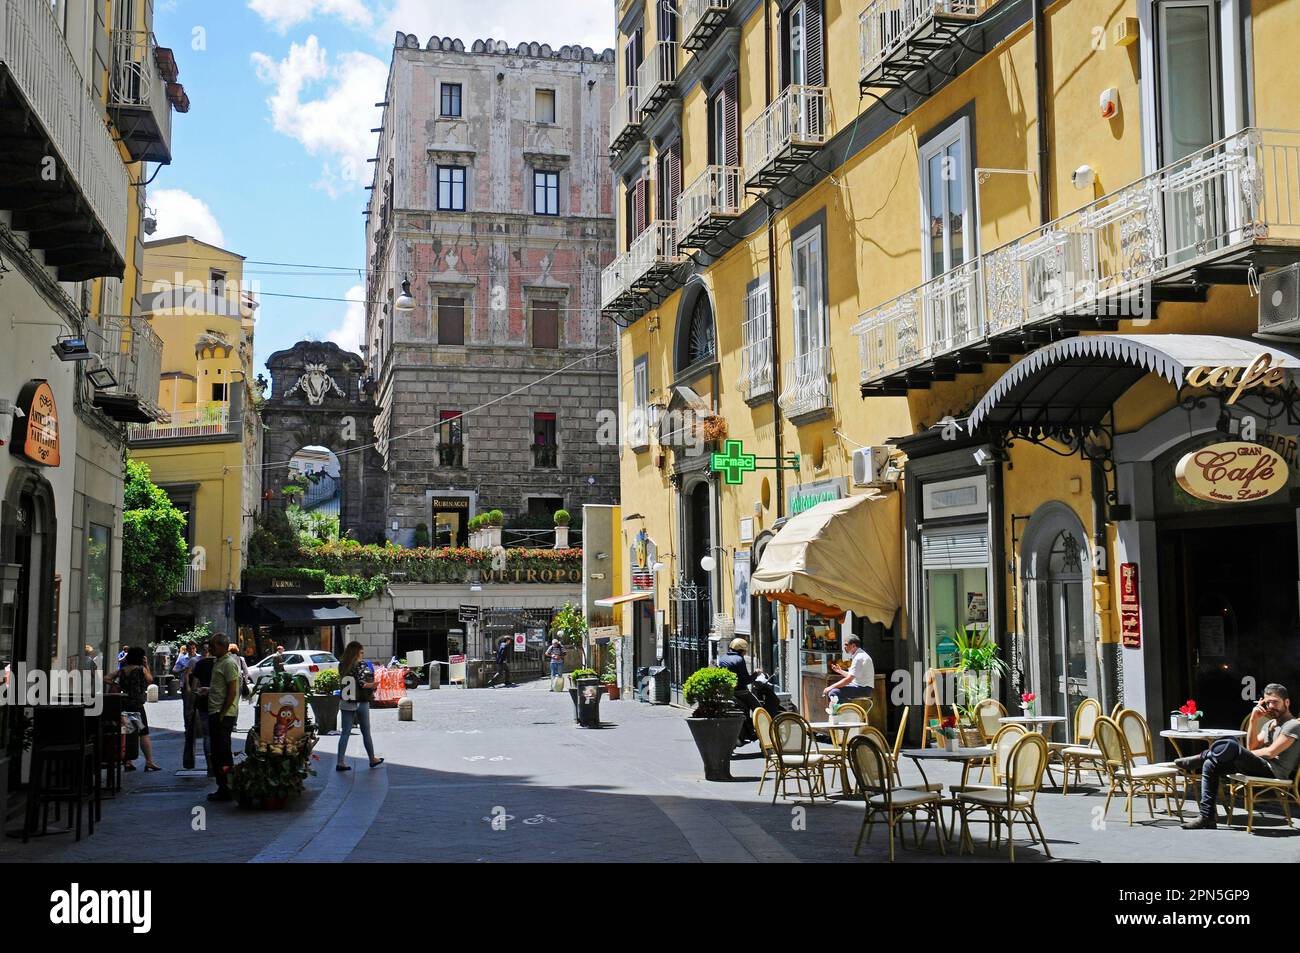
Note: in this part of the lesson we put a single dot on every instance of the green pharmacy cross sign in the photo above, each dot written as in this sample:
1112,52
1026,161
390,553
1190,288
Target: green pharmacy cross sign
733,463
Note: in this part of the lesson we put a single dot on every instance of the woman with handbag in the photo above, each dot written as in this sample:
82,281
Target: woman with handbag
356,688
134,679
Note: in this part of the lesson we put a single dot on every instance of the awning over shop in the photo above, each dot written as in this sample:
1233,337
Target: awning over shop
1075,382
292,611
622,600
838,556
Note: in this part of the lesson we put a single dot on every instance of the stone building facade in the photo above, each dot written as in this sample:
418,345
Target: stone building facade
492,198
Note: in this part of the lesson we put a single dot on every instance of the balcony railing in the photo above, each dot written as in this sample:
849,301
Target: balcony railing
613,282
545,456
132,350
1206,209
656,75
192,581
706,205
624,118
34,53
137,97
209,421
807,383
787,132
756,358
701,21
897,37
653,255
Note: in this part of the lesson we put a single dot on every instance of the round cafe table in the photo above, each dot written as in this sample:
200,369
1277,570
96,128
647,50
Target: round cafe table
1043,724
1207,735
964,755
830,727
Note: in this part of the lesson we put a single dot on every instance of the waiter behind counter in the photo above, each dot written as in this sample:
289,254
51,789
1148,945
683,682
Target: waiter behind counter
750,693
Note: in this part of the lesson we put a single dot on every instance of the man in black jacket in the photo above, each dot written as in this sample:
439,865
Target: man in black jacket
503,666
733,660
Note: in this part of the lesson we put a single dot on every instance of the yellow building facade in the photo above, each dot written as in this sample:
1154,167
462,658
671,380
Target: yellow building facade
926,252
206,453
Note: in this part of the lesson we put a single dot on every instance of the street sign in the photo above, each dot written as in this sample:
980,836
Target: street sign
468,614
455,669
733,463
521,642
602,634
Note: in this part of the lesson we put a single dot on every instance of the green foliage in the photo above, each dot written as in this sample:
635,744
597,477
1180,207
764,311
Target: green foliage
283,682
979,662
421,537
712,691
584,673
154,554
312,528
327,681
274,542
495,517
199,634
363,587
293,573
275,775
569,625
562,518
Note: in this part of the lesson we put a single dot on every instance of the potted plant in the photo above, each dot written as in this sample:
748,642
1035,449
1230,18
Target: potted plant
269,779
562,520
495,520
610,678
569,625
979,662
324,700
1187,717
947,730
715,723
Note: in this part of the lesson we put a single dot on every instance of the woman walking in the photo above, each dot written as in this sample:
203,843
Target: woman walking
134,679
356,688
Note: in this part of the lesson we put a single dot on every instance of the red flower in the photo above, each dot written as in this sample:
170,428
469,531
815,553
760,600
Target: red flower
949,722
1189,708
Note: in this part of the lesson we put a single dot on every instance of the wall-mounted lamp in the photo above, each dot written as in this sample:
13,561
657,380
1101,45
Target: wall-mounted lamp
405,302
101,378
73,349
708,563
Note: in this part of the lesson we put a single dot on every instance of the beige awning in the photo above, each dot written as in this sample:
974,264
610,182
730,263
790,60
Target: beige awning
612,601
838,556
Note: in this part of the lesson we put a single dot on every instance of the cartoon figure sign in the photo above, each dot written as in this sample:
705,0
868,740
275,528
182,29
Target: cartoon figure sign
283,719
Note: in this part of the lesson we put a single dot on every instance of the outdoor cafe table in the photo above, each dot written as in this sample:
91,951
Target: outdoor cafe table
964,755
1207,735
830,727
1032,722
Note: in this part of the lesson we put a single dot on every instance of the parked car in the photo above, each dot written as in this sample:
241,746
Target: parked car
307,663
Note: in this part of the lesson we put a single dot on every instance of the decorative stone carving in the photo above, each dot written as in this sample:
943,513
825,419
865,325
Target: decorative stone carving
316,384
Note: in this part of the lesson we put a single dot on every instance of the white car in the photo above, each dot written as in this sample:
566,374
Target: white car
299,662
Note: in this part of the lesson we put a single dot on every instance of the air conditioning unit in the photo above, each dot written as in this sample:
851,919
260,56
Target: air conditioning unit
1279,301
871,466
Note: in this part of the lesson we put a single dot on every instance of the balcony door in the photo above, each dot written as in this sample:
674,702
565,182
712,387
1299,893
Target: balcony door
945,220
809,304
805,65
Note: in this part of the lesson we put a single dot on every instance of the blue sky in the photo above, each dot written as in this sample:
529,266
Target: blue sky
270,160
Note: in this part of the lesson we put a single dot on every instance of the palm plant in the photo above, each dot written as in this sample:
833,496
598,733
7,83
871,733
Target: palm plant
979,662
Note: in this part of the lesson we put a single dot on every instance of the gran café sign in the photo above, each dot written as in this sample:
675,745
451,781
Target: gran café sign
1232,472
35,434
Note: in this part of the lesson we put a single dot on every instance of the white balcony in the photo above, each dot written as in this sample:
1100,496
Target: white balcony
756,358
613,283
898,37
192,581
708,205
624,119
654,255
1200,220
785,135
807,383
79,218
700,21
656,75
132,350
137,97
210,421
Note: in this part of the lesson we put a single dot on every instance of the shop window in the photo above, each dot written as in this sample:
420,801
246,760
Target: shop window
451,438
955,565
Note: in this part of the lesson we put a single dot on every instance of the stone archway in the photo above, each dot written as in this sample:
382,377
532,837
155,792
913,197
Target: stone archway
319,399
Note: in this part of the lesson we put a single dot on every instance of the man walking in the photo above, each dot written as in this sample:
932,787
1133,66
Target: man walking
1270,752
223,702
185,662
503,665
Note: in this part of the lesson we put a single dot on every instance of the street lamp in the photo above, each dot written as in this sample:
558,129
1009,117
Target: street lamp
405,302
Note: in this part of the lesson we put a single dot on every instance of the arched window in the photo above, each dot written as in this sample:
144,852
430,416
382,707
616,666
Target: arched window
699,344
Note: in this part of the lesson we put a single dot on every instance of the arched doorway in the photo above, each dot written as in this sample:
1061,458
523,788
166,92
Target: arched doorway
314,492
1062,665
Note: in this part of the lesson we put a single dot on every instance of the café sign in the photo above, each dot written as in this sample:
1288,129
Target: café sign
36,433
1260,374
1232,472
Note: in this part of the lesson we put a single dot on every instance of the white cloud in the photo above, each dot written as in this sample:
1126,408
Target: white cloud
336,125
585,22
180,213
282,14
351,332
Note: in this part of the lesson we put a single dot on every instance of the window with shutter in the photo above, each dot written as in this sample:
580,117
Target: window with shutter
640,206
451,320
670,179
731,120
666,25
546,324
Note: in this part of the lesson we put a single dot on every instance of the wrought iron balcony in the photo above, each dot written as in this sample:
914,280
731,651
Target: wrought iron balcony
137,97
653,256
614,290
701,22
785,135
78,217
545,456
707,205
132,350
756,358
656,75
1206,219
898,37
807,383
210,421
624,119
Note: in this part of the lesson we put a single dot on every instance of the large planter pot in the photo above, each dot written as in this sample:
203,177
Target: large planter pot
586,701
611,691
494,537
325,709
716,739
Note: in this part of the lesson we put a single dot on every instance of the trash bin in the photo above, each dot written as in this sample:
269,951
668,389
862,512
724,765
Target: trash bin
588,690
660,690
643,683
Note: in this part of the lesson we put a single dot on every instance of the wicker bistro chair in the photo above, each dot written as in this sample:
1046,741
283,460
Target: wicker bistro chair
987,714
902,728
1002,743
1083,749
797,756
852,713
1128,778
1253,790
875,777
1137,734
763,728
1014,798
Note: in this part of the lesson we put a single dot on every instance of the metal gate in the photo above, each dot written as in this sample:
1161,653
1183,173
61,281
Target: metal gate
687,650
534,623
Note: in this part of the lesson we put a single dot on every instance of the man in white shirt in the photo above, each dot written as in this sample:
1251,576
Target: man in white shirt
860,682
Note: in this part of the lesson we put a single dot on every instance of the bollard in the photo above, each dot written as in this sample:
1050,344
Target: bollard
151,694
406,710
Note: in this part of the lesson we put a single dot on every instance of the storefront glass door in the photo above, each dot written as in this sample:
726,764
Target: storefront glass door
1068,668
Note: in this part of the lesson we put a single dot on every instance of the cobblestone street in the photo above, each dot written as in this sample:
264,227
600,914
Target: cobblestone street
632,791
